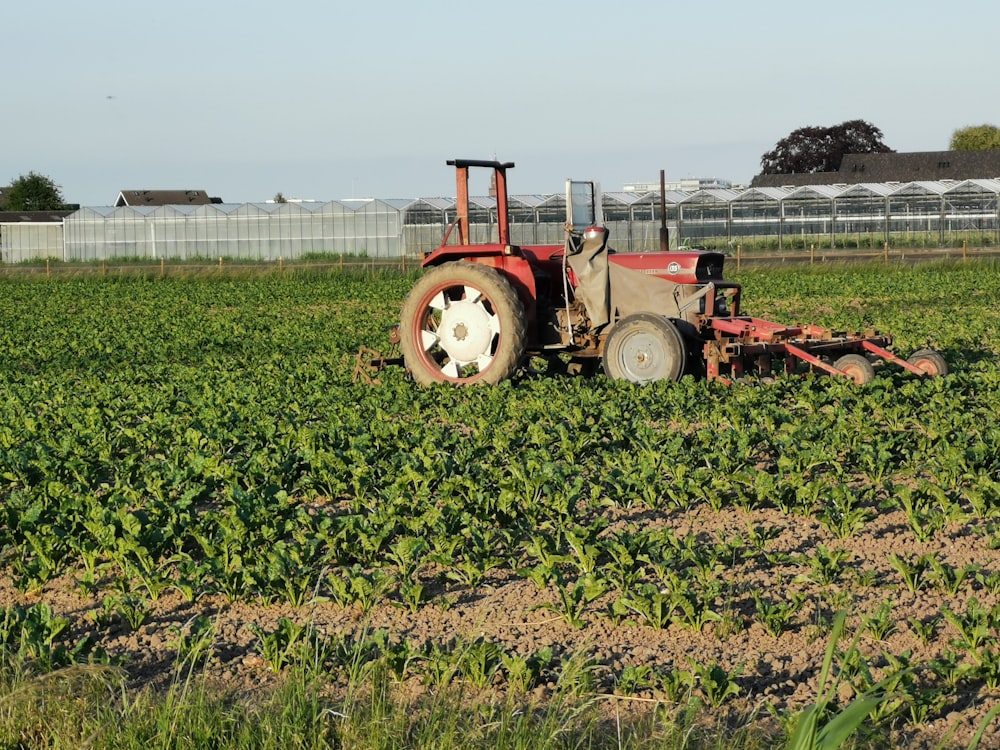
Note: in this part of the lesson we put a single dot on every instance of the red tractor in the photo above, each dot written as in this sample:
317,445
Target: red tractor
481,310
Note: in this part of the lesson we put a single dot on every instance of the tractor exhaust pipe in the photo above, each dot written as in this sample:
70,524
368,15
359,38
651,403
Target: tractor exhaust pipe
664,232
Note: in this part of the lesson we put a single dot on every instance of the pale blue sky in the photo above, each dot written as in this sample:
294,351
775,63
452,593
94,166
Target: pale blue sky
330,100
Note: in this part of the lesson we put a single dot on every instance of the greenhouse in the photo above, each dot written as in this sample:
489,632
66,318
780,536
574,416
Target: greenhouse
22,242
250,231
930,214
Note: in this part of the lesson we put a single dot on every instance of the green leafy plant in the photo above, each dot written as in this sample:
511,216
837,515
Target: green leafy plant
947,578
480,660
912,569
976,626
714,684
131,607
648,603
356,587
826,565
279,647
925,630
882,624
34,635
525,672
776,616
575,598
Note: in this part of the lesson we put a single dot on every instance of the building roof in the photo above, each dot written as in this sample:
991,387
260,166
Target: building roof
34,217
163,198
914,166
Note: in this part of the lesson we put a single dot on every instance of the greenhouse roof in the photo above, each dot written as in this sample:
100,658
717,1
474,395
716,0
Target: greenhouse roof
441,204
866,190
922,187
532,201
483,201
775,194
169,209
816,191
400,204
625,198
976,186
712,195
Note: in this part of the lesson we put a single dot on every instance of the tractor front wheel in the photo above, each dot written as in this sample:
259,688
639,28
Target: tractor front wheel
462,323
930,362
643,347
856,367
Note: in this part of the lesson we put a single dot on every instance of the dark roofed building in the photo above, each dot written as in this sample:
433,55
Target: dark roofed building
915,166
36,217
163,198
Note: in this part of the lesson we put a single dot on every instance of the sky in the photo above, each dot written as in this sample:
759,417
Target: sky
331,100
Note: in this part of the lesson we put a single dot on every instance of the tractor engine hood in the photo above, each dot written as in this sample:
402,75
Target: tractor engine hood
687,267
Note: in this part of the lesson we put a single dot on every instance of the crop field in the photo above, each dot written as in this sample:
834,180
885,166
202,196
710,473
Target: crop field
191,482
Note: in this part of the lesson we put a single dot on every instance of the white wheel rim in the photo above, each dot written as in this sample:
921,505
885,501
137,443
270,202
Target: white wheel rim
465,330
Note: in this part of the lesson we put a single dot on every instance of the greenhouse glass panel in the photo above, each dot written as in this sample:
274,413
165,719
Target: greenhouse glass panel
972,213
915,214
705,215
756,213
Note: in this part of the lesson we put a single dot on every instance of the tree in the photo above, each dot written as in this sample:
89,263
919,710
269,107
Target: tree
279,198
821,149
976,138
33,192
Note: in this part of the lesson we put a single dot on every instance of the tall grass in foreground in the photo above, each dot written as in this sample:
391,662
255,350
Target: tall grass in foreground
90,707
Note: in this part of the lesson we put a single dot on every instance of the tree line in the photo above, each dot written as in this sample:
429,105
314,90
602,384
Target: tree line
815,149
32,192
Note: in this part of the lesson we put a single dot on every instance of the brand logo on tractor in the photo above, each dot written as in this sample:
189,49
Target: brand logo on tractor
674,267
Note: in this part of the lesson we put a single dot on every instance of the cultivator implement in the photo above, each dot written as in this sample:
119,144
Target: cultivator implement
370,362
750,346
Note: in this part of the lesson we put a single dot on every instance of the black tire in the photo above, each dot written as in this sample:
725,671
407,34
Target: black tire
930,362
462,323
856,367
644,347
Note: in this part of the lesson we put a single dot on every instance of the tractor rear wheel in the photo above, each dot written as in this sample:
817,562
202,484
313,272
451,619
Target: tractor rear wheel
643,347
857,368
462,323
930,362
